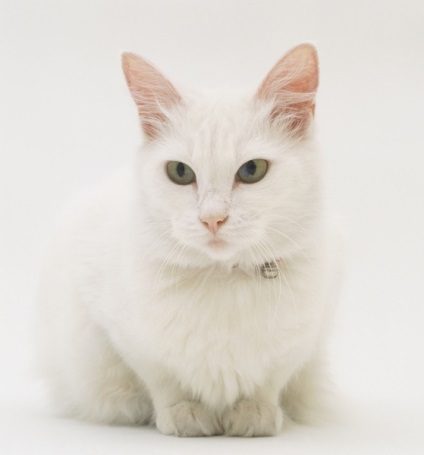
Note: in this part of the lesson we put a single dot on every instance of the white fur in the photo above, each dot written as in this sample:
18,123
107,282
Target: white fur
142,320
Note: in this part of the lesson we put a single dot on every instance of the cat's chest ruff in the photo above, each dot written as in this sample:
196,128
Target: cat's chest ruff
220,335
221,304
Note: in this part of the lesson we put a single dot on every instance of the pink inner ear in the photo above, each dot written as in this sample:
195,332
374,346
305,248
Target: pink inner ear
291,85
151,91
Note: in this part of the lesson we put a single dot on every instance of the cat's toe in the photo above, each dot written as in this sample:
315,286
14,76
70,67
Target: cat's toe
187,419
252,418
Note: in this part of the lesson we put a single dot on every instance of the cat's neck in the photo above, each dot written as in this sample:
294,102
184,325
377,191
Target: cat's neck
269,269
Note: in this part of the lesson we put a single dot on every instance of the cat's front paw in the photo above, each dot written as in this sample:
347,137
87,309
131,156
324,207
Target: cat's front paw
252,418
187,419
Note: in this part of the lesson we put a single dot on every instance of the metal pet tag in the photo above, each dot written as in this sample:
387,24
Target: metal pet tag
269,270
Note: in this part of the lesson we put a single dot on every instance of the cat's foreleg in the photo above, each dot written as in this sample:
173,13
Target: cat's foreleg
258,415
176,413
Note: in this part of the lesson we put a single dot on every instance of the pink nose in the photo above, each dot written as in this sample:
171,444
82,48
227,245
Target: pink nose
213,223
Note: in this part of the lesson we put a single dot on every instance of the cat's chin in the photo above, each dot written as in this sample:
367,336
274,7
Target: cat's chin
219,249
218,245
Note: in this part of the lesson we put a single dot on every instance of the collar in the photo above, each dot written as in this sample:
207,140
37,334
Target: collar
269,269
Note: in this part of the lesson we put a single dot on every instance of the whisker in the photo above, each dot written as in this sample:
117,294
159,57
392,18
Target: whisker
299,248
268,248
175,269
285,218
163,266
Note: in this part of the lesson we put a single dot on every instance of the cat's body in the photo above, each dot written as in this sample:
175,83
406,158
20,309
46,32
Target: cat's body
157,303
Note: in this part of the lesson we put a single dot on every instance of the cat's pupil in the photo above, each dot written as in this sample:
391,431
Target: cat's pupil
180,169
251,167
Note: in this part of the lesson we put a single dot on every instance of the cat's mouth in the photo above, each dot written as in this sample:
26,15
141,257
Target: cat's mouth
219,249
217,244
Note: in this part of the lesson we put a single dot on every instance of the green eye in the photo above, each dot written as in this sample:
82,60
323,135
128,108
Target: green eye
252,171
180,173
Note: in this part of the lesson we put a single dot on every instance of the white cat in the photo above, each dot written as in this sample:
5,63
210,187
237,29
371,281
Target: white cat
195,290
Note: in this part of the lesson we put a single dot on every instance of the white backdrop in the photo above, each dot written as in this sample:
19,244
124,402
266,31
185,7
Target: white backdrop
67,121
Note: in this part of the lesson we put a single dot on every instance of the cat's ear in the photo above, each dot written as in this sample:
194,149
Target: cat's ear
153,94
291,87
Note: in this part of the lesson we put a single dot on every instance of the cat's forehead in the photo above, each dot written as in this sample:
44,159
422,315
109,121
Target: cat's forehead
220,130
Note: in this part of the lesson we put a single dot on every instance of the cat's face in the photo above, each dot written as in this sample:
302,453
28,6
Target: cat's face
231,180
230,208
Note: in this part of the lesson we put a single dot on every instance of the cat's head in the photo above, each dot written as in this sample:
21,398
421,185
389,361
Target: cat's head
225,177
